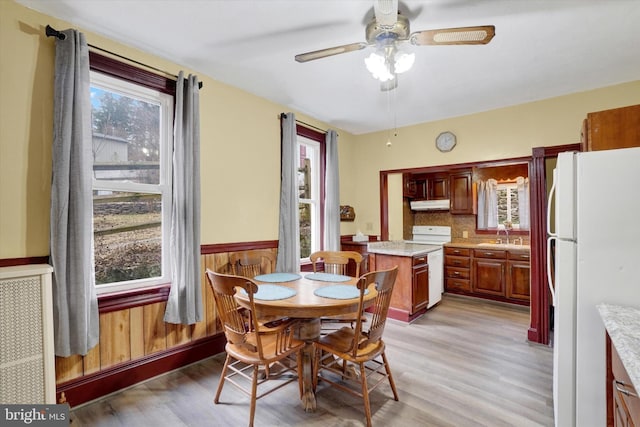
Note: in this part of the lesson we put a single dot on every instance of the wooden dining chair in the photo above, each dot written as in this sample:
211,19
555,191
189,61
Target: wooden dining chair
270,352
336,262
337,352
252,263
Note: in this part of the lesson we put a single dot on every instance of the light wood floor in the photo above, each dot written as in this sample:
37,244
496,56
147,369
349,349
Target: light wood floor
465,363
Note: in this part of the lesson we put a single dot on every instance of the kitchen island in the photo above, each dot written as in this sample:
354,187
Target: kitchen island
414,284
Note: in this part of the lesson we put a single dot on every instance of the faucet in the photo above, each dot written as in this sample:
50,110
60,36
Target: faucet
506,232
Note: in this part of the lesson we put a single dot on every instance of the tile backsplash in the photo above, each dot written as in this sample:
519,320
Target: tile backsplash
458,223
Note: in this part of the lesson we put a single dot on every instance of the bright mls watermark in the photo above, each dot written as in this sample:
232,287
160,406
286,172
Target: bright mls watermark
34,415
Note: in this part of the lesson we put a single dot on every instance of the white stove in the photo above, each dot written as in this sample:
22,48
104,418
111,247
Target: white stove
431,234
436,235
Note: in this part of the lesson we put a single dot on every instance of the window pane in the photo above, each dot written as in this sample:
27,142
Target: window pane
126,137
127,236
503,205
304,176
515,215
305,230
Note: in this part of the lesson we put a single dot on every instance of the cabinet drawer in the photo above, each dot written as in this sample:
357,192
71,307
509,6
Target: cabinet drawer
456,273
457,251
520,256
458,285
489,253
419,260
457,261
623,388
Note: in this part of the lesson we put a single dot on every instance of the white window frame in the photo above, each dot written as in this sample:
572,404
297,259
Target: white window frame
313,152
164,187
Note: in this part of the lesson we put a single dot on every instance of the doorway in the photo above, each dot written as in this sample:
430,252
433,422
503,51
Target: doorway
540,178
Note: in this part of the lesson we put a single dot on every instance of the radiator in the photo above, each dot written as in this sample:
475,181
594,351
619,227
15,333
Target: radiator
27,361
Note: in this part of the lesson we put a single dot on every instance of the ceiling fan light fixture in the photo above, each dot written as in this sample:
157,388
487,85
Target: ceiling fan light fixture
379,67
403,61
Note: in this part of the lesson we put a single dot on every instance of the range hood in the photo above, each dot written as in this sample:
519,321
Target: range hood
430,205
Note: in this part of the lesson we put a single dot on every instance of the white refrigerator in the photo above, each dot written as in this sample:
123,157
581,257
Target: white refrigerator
597,259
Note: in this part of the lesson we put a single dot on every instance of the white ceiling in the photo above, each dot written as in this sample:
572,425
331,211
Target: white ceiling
541,49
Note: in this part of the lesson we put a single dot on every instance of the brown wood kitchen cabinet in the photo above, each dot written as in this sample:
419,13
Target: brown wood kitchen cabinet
608,129
438,186
518,275
361,248
457,265
623,403
409,188
410,295
492,273
489,275
460,192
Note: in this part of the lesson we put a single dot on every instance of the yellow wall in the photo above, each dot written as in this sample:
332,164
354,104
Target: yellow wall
240,162
497,134
240,143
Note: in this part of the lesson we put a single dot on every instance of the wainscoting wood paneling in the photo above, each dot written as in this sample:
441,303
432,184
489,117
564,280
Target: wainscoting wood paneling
136,343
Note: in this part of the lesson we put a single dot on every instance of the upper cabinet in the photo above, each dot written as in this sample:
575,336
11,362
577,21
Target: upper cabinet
438,186
616,128
409,188
461,192
455,185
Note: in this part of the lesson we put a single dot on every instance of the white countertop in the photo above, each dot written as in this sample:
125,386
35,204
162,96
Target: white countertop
401,248
623,325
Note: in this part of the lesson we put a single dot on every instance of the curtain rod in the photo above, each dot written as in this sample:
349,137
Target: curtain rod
304,123
52,32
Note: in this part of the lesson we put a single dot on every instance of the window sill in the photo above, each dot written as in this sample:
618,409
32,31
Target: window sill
122,300
501,230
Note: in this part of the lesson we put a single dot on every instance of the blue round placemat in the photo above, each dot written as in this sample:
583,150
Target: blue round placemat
272,292
328,277
277,277
339,292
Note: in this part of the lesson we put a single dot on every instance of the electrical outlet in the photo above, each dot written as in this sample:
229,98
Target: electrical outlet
465,234
369,226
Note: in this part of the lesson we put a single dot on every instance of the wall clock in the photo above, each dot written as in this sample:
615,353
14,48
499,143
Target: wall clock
446,141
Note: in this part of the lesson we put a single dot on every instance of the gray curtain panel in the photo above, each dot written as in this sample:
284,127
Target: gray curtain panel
332,197
288,259
184,305
75,305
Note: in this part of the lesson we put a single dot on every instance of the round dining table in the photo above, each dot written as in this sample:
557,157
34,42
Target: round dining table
305,297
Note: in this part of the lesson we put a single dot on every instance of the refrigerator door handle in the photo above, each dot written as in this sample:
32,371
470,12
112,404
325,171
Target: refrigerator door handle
552,195
549,281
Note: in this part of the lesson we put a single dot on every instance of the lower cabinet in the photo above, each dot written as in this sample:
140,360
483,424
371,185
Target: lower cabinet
361,248
488,273
419,283
410,296
623,401
457,264
489,276
519,276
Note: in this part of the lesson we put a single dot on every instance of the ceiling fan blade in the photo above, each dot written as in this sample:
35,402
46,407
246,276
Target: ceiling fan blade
386,11
323,53
447,36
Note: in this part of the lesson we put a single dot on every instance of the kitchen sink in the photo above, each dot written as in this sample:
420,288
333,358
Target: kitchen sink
503,246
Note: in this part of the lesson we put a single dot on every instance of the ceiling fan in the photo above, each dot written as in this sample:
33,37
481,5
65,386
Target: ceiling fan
387,31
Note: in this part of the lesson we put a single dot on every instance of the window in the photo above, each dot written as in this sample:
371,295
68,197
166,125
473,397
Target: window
508,207
310,178
503,204
132,133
